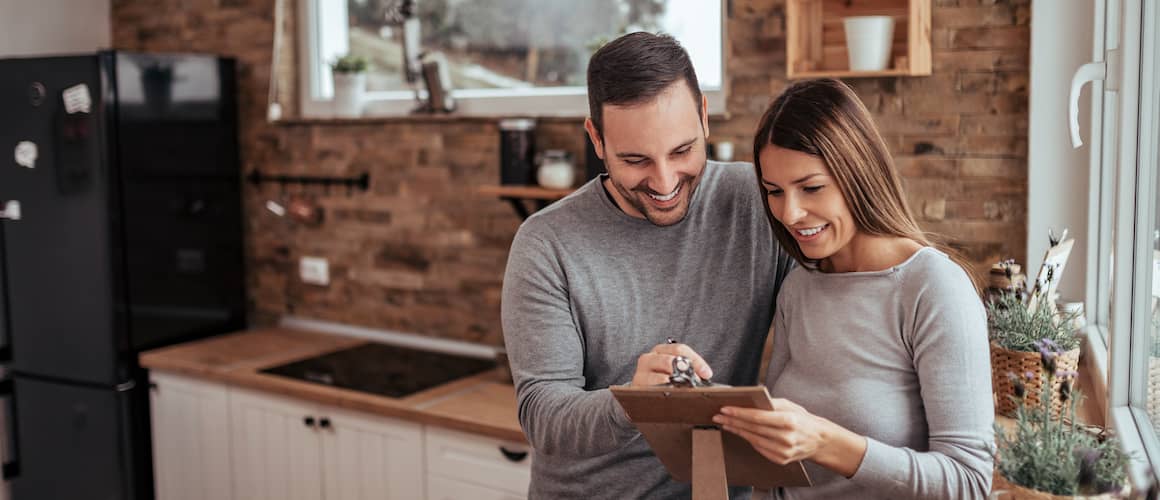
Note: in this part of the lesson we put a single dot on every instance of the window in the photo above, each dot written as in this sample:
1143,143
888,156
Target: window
1145,374
503,57
1126,176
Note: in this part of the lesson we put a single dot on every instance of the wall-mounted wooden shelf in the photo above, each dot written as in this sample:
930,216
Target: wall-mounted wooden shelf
516,195
525,192
816,39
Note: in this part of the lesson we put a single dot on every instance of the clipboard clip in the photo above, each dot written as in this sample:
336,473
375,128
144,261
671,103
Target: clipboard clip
684,375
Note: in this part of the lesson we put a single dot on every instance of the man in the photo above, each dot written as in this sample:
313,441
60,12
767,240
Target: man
666,245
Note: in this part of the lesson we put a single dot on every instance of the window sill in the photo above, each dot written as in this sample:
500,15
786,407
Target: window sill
416,119
1094,377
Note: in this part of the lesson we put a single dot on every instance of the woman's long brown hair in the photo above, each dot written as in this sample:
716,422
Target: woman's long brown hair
824,118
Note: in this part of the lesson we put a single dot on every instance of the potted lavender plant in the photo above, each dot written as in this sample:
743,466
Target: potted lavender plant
1019,337
1047,455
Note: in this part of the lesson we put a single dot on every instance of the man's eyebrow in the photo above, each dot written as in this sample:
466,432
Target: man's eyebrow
682,145
685,144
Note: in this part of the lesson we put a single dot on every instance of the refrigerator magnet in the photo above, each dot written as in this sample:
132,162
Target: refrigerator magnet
77,99
26,154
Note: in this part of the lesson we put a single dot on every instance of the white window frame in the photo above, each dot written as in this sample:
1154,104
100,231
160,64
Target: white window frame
322,22
1122,215
1135,224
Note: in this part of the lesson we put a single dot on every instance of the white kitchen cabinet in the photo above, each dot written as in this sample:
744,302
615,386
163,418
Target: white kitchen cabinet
443,488
462,465
367,457
288,449
276,447
191,454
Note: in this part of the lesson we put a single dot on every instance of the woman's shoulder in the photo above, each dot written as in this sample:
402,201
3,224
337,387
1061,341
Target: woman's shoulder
797,276
930,262
932,275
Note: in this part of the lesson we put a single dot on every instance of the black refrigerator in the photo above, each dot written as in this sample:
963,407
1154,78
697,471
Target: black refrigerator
120,231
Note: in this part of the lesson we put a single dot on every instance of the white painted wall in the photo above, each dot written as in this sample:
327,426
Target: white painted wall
1061,40
45,27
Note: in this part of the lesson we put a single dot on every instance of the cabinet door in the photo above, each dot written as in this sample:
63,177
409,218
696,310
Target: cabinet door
442,488
369,457
191,454
275,450
478,460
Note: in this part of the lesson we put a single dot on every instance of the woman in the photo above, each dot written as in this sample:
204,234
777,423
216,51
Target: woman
880,368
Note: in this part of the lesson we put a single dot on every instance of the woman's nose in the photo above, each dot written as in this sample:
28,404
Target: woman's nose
792,211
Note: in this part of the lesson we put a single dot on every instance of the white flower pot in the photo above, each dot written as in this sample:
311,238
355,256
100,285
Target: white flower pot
348,93
868,41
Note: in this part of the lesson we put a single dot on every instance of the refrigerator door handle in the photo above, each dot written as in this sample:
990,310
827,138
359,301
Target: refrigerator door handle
10,466
11,210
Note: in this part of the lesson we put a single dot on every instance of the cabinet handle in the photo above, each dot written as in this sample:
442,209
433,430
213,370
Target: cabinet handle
514,456
308,421
324,423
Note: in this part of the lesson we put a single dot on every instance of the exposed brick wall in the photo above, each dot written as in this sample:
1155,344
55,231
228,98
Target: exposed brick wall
422,252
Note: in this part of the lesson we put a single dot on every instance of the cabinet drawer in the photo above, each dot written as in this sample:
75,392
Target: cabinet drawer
444,488
479,460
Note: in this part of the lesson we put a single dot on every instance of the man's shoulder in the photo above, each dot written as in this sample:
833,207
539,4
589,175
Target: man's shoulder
732,174
572,211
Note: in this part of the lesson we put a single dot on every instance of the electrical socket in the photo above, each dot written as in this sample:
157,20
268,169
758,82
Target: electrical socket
314,270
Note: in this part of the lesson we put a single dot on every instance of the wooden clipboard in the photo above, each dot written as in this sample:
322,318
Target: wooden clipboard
667,416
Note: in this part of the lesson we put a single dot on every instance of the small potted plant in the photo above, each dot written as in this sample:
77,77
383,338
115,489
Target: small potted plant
1048,455
350,81
1019,336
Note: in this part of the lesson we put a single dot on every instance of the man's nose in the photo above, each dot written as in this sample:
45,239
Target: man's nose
666,177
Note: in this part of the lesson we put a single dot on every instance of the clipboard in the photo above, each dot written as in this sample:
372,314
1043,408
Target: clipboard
678,424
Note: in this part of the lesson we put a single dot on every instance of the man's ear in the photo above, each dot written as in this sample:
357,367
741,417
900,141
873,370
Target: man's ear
705,115
597,144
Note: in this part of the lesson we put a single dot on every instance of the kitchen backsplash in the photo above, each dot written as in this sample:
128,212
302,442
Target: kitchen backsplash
422,252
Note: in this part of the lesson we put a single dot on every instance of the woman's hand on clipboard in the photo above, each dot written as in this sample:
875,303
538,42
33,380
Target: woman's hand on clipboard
788,433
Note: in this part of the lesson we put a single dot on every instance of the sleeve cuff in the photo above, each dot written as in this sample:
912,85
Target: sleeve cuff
619,416
879,469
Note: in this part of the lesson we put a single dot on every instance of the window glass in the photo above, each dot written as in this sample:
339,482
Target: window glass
525,44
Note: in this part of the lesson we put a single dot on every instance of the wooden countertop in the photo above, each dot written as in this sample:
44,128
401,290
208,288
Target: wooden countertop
477,404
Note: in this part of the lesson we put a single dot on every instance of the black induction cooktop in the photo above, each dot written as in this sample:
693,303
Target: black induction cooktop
383,369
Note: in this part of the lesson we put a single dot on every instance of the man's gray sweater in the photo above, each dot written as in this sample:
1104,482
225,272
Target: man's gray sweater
588,289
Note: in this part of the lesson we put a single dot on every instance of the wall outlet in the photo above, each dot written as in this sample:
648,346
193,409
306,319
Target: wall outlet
314,270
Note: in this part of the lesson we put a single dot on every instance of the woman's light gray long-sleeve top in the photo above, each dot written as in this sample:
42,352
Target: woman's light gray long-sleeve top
900,356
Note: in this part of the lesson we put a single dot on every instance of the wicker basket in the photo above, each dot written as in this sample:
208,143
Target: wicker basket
1004,361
